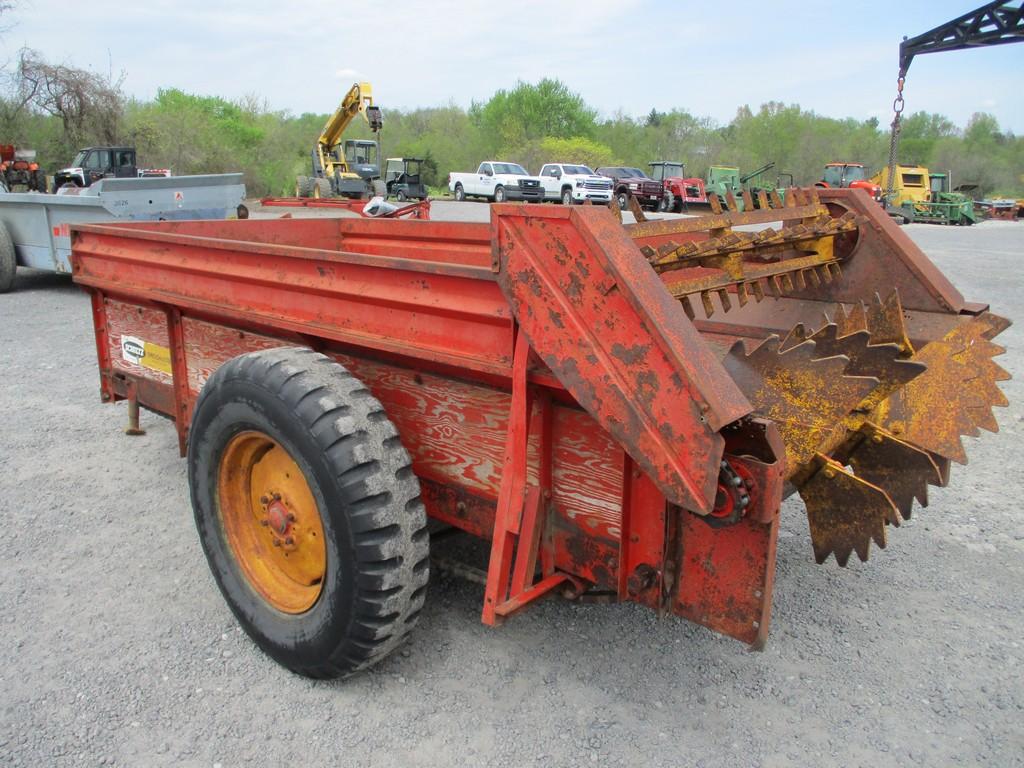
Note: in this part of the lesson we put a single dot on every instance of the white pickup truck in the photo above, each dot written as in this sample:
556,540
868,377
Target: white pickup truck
574,184
498,182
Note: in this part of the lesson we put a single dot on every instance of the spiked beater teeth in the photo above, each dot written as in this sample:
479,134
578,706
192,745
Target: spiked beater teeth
807,396
845,513
956,394
903,470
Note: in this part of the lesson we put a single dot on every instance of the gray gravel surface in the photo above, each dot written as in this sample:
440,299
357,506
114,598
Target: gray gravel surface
118,650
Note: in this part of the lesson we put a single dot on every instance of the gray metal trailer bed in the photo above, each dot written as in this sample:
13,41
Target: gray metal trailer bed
36,227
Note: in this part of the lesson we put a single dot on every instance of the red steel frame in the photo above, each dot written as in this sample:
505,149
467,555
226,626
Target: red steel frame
531,422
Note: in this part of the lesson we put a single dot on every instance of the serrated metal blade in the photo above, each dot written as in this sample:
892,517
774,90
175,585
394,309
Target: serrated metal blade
881,361
885,322
994,324
845,513
852,320
806,396
954,397
902,470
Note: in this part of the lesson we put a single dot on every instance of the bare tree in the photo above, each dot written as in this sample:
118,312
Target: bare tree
88,105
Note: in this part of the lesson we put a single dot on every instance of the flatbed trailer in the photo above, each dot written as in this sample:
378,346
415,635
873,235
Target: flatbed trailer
35,228
619,410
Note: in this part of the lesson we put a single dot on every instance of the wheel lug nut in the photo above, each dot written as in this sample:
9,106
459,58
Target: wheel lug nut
291,518
289,541
277,497
277,542
264,522
264,500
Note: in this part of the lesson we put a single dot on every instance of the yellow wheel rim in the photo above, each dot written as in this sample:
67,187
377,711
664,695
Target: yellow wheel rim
271,522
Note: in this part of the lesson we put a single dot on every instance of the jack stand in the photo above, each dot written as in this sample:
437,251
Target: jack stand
133,427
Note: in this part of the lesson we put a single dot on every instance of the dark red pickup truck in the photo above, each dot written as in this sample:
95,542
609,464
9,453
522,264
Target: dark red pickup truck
636,183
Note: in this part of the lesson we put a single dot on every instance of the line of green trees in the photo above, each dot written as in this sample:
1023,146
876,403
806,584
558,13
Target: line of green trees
58,109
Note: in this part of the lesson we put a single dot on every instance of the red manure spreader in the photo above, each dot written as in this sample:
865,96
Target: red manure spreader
618,409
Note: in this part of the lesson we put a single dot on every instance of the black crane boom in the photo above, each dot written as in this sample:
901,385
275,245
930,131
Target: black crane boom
992,24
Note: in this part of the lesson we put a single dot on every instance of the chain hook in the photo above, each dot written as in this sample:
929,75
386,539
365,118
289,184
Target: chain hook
897,108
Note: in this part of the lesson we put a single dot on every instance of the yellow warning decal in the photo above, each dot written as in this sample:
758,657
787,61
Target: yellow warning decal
146,353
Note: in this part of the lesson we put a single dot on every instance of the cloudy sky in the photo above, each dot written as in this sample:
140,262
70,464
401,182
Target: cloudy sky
837,58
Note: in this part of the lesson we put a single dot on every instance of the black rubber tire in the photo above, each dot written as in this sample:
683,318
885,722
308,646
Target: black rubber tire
369,499
668,202
460,193
401,196
304,186
8,260
567,196
623,200
499,194
322,187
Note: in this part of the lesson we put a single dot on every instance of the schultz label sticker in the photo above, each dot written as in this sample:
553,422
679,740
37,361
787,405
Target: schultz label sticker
146,354
133,349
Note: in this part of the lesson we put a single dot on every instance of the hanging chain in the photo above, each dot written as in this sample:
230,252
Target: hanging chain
894,136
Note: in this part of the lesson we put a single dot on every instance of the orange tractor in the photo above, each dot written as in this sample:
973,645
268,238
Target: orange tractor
18,167
849,176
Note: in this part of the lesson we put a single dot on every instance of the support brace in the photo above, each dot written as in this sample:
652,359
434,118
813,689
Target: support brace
521,517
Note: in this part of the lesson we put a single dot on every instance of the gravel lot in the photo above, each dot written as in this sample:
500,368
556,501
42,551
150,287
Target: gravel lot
118,650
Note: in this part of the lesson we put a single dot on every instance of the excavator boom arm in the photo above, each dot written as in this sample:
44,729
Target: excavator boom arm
358,101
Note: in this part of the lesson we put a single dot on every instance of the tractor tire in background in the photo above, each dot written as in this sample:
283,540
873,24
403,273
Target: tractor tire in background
304,186
308,511
322,188
8,260
668,203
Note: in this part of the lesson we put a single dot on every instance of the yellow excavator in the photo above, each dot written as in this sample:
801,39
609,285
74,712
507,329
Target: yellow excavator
349,168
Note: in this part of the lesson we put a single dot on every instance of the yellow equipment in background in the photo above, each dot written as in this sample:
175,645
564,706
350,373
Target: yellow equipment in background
349,168
910,184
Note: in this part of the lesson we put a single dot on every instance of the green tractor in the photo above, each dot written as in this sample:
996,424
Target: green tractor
722,179
949,207
941,206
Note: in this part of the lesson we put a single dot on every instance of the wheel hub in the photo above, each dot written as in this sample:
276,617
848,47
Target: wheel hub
279,518
272,522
